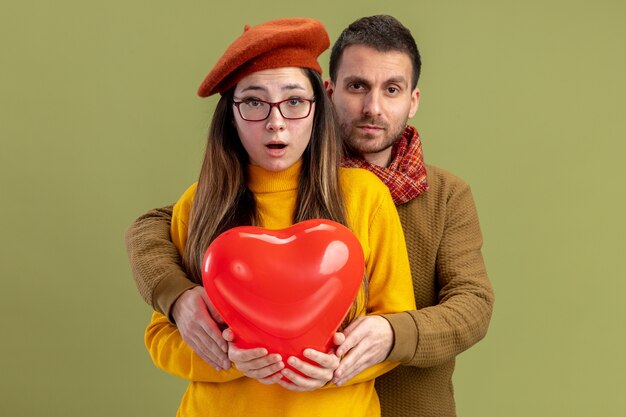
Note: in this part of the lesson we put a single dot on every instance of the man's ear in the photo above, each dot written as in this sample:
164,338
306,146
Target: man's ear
330,87
415,102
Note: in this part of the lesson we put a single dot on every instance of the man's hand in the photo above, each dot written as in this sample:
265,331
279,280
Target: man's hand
192,312
368,342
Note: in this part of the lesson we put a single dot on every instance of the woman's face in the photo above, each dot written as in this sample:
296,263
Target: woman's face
275,143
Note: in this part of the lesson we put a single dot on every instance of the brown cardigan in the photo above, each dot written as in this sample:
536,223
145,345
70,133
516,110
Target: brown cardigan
452,292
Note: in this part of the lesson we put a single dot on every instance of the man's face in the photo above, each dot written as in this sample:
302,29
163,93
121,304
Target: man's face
373,99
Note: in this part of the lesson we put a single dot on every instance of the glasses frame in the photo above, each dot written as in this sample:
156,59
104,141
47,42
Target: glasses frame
277,105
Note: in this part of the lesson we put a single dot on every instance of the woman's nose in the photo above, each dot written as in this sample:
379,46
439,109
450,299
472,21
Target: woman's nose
275,121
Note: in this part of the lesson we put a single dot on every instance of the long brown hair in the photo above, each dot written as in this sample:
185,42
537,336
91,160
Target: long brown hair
223,199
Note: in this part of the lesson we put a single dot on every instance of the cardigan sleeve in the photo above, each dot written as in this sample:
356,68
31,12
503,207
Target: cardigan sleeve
170,353
155,261
434,335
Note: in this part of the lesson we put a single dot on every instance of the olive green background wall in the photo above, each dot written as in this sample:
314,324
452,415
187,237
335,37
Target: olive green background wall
99,122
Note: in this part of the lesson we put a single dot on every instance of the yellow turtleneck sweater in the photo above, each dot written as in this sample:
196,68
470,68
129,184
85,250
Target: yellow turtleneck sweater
372,217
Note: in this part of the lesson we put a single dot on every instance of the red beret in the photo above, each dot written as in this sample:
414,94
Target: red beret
291,42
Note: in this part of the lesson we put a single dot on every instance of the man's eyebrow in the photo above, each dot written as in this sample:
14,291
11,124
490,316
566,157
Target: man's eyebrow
355,79
397,80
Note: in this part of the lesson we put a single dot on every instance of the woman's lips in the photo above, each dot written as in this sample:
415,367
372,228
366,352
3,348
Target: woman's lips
276,145
276,150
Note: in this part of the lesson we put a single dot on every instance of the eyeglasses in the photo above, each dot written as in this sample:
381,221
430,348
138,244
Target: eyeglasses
255,110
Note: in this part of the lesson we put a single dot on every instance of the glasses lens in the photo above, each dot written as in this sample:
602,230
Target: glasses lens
295,108
254,110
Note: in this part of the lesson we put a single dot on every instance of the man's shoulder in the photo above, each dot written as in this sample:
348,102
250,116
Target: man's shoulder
443,187
437,176
442,184
448,197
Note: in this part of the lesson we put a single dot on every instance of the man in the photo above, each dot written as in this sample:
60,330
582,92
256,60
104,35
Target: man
374,69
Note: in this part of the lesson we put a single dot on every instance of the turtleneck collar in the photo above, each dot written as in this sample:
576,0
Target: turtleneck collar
261,180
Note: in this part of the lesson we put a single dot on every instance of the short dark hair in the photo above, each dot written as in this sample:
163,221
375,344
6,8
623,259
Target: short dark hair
381,32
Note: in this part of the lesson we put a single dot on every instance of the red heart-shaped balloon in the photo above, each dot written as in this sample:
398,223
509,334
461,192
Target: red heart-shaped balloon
285,290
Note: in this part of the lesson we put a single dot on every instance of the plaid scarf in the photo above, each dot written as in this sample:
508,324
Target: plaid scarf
406,175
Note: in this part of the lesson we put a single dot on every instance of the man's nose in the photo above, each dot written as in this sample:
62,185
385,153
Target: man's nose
372,104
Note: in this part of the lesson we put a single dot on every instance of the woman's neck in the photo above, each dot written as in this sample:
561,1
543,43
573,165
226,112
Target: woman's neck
261,180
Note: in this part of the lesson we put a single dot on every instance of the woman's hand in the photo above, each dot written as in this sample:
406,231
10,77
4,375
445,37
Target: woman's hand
254,363
315,376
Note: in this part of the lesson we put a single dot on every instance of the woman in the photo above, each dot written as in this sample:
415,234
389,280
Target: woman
272,159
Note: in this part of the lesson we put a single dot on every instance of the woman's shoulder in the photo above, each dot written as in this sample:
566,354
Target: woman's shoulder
362,185
190,192
360,178
184,203
368,203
